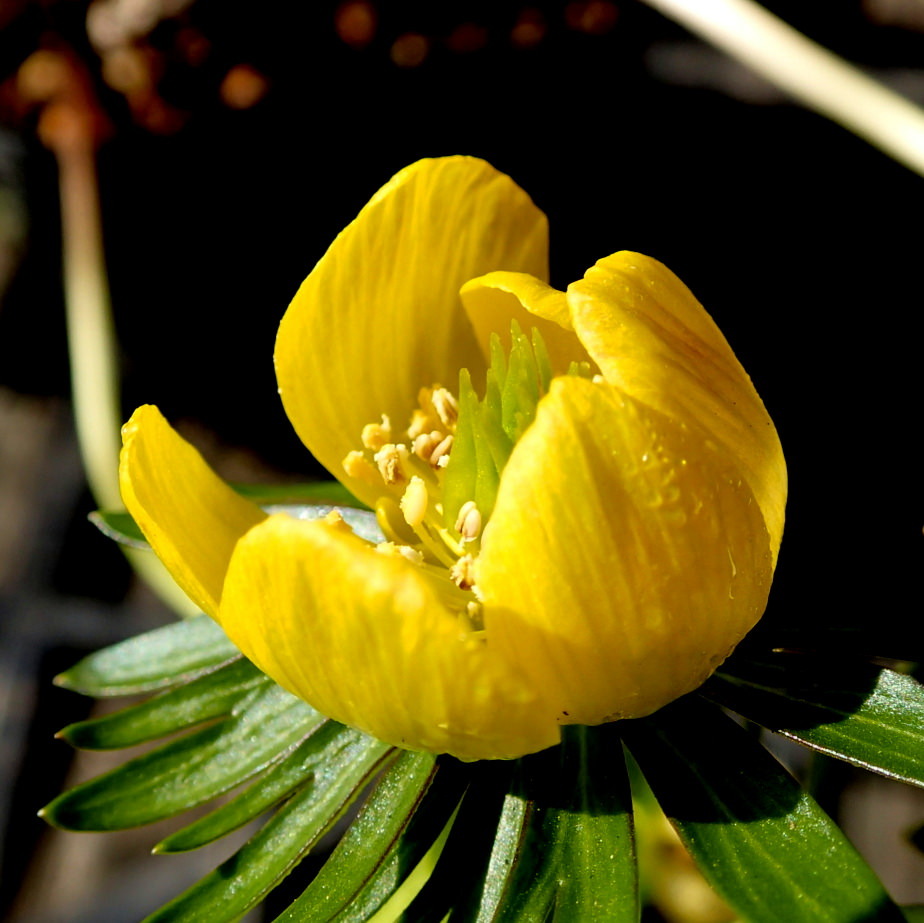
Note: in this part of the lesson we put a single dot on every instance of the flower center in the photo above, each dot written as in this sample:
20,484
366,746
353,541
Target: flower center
447,463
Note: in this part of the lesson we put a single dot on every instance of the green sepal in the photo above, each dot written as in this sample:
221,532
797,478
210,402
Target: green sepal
867,715
211,696
163,657
190,770
267,857
396,827
760,840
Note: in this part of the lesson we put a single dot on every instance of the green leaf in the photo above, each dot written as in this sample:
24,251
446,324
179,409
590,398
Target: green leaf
210,696
163,657
864,714
190,770
326,744
761,841
565,848
372,838
463,864
243,880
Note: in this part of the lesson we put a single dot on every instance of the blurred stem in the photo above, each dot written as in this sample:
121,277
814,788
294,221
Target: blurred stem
68,128
813,75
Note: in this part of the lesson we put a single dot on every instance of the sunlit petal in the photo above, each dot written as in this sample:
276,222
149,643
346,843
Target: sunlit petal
653,339
367,639
380,317
190,517
625,556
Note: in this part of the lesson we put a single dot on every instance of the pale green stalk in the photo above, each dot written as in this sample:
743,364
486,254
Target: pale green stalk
92,345
810,73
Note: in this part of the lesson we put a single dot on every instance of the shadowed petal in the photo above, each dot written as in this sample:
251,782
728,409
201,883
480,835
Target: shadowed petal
380,317
367,639
492,301
654,340
190,517
624,558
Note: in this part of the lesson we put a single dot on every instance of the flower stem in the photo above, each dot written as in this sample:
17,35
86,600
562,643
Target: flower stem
69,127
813,75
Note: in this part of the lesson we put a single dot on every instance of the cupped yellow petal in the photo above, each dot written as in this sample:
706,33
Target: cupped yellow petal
494,300
379,317
191,518
367,638
653,339
625,557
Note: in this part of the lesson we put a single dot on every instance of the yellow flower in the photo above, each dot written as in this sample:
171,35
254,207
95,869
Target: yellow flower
593,561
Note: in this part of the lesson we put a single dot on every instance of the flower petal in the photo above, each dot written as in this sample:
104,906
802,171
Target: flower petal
379,317
190,517
625,556
492,301
654,340
366,638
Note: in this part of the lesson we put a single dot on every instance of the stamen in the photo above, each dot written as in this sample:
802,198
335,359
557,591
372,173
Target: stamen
439,457
414,502
391,460
468,522
404,551
376,435
463,572
424,444
356,465
335,520
446,406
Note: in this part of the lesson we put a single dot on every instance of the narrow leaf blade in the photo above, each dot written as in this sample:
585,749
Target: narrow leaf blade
244,880
210,696
327,743
761,841
190,770
864,714
575,858
163,657
369,841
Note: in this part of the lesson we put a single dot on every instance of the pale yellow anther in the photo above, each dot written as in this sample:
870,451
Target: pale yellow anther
405,551
356,465
424,444
376,435
468,522
446,406
391,461
421,422
462,572
414,502
335,520
439,457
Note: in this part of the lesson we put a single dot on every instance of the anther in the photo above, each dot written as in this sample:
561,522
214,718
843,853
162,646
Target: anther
390,460
404,551
414,502
446,407
376,435
424,444
356,465
439,457
335,520
462,572
468,522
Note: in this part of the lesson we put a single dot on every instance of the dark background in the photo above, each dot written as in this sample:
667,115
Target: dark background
802,241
